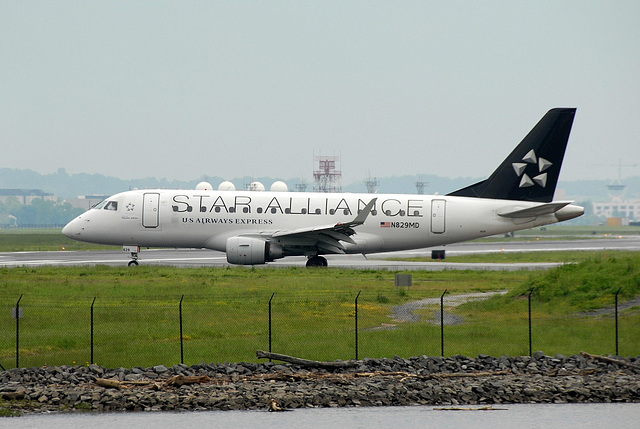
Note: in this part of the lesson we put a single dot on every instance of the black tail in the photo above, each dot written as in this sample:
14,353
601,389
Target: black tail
531,171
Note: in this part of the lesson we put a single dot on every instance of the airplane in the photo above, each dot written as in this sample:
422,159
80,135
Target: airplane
259,227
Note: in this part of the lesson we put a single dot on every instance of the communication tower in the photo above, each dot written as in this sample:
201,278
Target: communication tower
327,176
420,186
371,184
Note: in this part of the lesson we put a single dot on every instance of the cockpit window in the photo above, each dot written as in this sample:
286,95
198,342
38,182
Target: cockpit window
111,205
101,204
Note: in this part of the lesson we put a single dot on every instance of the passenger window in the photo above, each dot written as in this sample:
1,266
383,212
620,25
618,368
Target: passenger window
111,205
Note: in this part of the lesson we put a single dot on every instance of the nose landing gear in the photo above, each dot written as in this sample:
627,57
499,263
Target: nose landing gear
133,250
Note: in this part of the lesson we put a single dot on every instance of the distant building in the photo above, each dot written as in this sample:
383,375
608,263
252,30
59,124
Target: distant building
628,211
85,201
26,196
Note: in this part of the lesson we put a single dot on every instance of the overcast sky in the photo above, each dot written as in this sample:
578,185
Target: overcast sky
181,89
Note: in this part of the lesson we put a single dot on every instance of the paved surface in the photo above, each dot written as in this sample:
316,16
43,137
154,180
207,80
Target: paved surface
406,312
200,257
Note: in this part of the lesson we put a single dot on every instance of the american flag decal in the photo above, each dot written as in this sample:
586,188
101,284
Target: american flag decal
385,224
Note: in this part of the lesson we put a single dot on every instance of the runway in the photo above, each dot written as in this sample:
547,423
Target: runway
211,258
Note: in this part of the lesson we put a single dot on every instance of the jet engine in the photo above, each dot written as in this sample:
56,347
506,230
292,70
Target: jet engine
251,251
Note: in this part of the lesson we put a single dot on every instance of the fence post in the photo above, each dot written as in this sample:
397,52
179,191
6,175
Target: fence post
270,299
442,322
356,304
181,337
617,352
18,332
91,361
530,333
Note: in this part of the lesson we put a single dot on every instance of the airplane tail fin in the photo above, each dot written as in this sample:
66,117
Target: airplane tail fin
531,171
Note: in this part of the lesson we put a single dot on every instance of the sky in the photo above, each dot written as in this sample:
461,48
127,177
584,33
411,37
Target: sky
181,90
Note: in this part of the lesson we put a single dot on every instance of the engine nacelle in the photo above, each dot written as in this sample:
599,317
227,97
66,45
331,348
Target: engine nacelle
251,251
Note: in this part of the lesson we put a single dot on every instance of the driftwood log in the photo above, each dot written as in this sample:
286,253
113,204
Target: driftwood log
175,381
260,354
350,364
112,383
610,360
181,380
108,383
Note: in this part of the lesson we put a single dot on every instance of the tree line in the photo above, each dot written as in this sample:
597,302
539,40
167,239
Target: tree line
14,214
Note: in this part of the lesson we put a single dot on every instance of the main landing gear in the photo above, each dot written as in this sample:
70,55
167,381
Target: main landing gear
133,250
316,261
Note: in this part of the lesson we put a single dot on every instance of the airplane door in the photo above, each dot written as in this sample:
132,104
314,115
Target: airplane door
150,210
438,212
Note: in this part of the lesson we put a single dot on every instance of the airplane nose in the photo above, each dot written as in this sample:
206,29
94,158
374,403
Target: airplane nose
72,229
67,230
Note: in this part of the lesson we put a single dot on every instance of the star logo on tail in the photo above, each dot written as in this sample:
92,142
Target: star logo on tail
540,178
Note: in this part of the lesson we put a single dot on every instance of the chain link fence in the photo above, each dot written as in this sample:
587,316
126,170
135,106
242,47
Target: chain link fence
63,330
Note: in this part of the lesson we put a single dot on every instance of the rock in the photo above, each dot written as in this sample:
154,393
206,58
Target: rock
538,355
160,369
243,386
95,369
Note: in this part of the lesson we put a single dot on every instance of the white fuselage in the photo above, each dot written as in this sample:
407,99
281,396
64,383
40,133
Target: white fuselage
207,219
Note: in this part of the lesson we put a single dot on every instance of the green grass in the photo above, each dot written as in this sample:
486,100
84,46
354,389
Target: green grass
225,312
586,231
6,409
588,285
561,256
563,232
16,240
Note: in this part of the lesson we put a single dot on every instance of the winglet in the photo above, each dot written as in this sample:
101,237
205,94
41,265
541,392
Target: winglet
326,239
362,216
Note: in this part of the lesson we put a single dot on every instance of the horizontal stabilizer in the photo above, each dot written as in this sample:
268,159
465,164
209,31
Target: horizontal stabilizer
540,210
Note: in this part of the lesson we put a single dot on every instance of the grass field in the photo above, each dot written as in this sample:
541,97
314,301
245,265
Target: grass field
563,231
226,312
17,240
562,256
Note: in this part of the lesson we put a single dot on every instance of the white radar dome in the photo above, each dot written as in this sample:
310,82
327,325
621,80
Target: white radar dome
279,186
256,186
226,186
204,186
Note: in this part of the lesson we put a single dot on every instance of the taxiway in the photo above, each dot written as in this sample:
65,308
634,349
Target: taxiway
203,257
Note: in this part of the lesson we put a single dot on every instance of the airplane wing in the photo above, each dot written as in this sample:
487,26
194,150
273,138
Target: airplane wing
326,238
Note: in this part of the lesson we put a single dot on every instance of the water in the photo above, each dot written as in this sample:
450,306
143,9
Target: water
547,416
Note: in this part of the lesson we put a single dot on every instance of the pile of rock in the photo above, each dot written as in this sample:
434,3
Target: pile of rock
369,382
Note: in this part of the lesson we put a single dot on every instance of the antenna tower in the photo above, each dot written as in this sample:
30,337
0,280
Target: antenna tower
326,176
420,186
371,184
